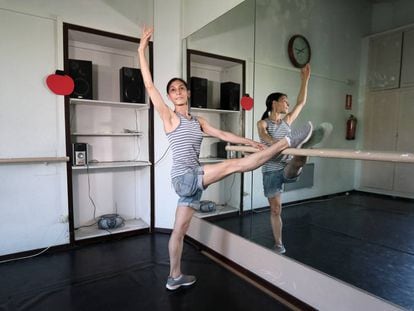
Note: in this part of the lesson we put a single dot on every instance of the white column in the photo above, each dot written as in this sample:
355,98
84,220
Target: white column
167,64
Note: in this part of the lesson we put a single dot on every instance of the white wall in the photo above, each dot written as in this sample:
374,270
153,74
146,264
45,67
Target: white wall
198,13
123,17
33,197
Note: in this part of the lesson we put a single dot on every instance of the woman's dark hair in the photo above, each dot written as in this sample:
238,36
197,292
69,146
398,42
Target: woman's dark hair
175,79
269,101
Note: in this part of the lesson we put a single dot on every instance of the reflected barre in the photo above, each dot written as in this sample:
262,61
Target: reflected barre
339,154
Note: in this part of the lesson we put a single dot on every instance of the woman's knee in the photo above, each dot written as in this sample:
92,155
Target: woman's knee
275,206
299,160
181,225
276,210
180,230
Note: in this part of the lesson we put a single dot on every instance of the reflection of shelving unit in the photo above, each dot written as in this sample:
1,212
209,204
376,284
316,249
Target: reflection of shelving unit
219,70
118,175
220,210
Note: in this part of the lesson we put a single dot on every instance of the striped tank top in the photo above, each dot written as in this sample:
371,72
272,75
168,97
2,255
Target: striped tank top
276,131
185,142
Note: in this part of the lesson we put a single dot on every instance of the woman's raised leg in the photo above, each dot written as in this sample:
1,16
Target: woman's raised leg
216,172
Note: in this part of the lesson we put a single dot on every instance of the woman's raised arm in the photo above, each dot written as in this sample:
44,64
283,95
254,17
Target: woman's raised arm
162,108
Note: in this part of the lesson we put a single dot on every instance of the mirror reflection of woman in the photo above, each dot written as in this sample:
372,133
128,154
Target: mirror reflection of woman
189,177
275,124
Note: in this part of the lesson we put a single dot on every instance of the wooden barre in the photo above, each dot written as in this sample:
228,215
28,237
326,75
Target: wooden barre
339,153
33,160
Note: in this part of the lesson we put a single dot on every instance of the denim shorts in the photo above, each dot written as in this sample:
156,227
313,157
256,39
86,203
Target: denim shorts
189,187
273,182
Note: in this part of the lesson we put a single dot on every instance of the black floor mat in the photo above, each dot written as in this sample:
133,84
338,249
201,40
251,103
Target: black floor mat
127,274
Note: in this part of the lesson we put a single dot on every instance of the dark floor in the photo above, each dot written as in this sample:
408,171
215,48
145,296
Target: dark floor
363,239
127,274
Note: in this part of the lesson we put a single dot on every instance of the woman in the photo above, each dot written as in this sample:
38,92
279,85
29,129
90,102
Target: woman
189,178
275,125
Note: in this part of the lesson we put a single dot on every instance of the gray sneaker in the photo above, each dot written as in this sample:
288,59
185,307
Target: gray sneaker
319,135
182,280
279,248
301,135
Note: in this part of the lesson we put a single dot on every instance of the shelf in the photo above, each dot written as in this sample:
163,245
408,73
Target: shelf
107,134
94,231
91,102
117,164
209,110
220,210
211,160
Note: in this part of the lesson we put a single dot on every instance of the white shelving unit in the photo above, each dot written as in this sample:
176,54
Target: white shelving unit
91,102
117,177
94,231
217,70
114,164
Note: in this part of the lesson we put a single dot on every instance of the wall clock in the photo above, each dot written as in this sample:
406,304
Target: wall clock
299,51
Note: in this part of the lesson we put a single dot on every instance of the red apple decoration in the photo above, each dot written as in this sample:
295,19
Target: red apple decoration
247,102
60,83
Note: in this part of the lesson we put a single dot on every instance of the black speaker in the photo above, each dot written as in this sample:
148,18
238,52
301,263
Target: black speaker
198,88
81,73
79,154
230,96
131,85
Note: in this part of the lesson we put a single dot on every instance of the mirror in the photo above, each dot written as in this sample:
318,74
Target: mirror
219,70
347,218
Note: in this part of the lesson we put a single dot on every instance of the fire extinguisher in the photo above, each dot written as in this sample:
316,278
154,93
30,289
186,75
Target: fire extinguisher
351,127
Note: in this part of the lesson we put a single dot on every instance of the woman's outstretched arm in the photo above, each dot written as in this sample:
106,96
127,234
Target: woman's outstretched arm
166,114
302,96
227,136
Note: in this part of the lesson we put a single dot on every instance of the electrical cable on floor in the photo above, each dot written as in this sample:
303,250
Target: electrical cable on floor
85,226
39,253
92,201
